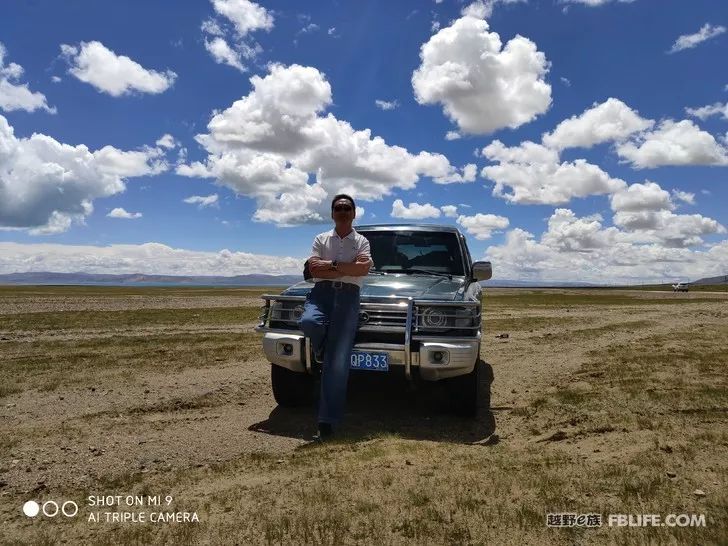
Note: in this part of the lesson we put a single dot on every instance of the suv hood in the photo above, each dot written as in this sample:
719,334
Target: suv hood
401,285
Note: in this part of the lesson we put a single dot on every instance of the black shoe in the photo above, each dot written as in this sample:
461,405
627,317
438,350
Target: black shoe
325,432
319,356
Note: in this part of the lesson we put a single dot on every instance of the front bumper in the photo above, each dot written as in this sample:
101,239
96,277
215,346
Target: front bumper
457,356
275,348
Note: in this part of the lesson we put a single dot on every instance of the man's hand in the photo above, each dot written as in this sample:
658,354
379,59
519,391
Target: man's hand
358,268
316,263
321,269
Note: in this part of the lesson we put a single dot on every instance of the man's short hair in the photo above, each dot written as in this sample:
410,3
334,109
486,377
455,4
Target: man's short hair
342,196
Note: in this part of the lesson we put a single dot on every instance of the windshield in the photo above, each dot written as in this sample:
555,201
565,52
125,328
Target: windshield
400,251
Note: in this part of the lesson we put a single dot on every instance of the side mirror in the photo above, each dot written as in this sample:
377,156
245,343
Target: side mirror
482,271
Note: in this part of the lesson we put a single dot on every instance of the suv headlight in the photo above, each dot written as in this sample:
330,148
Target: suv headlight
433,317
289,312
465,317
442,318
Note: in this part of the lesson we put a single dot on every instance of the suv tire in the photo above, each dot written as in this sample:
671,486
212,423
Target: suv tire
463,392
291,389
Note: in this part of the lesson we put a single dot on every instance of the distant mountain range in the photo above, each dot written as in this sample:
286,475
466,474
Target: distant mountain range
723,279
505,283
140,279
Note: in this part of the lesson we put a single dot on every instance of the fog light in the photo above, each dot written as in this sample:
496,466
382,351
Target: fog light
438,357
287,349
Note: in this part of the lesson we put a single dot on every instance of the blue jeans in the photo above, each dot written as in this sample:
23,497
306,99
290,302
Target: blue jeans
330,319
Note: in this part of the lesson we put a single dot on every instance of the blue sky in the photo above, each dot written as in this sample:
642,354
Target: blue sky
632,188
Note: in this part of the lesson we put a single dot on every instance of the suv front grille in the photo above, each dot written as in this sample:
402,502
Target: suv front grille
380,320
382,317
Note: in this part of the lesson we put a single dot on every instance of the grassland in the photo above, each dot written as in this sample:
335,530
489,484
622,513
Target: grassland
608,402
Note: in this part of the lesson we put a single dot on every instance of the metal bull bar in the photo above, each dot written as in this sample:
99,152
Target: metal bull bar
411,326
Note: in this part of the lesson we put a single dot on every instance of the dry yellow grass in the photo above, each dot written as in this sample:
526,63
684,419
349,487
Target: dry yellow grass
602,402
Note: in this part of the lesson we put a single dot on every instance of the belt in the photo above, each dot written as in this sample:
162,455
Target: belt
341,285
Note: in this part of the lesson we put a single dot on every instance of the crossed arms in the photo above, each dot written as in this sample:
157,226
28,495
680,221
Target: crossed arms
322,268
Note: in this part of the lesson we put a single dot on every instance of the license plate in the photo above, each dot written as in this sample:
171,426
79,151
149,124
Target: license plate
365,360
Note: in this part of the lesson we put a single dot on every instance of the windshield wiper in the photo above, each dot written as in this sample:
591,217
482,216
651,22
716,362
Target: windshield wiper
426,271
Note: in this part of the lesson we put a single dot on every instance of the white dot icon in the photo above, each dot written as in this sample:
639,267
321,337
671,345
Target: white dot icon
31,509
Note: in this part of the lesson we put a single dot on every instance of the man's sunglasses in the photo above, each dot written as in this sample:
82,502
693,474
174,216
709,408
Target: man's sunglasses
344,208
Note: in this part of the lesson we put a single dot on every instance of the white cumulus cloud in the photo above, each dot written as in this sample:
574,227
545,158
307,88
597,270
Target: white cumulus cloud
15,95
131,163
45,185
277,146
605,122
451,211
704,112
231,46
166,141
637,140
244,15
641,197
673,143
117,75
567,232
595,3
203,201
148,258
482,226
119,212
482,84
386,105
645,211
684,196
688,41
414,211
535,174
582,249
222,53
483,9
667,228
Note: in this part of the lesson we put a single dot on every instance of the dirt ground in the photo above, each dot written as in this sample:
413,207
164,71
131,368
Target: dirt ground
49,304
170,406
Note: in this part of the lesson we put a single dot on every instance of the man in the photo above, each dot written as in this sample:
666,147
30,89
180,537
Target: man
340,259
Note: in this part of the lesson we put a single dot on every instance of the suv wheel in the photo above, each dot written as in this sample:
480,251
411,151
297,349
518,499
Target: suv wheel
463,392
291,388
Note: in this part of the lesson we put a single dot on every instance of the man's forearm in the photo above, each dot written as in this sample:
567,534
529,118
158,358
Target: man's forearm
355,269
321,268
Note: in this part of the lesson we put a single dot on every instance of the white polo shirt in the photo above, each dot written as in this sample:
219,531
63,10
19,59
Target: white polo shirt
329,246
